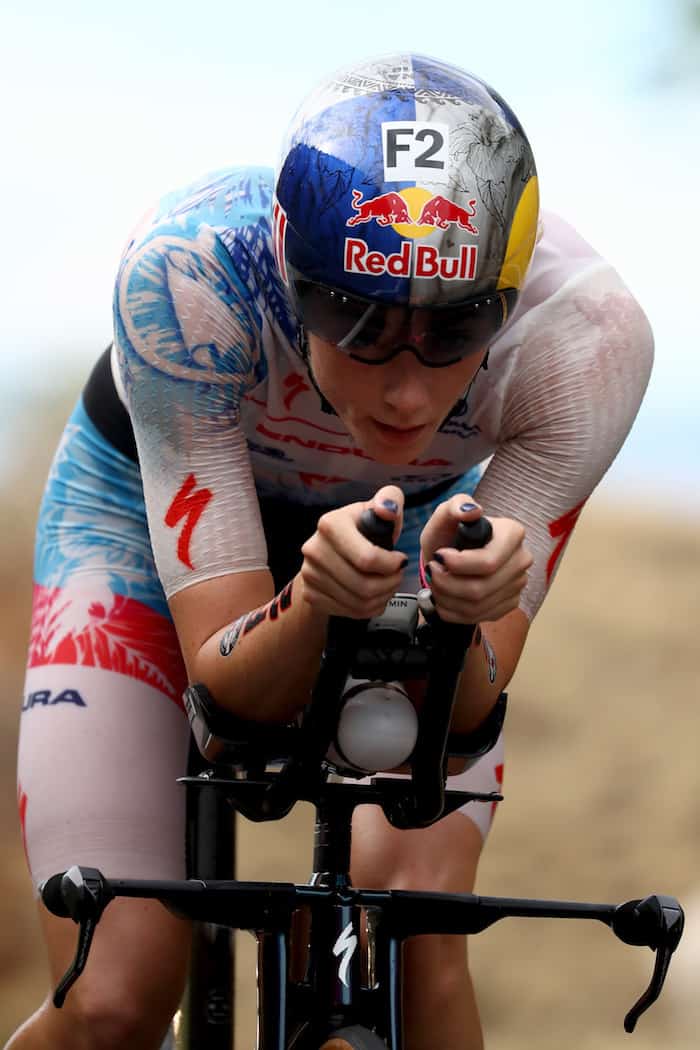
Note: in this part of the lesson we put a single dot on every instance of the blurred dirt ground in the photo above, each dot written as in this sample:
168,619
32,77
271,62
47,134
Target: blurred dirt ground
602,787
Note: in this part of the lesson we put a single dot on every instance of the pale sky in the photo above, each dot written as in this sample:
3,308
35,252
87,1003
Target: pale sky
106,107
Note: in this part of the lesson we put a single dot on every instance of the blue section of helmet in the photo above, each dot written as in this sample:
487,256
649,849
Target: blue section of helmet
432,78
435,79
316,189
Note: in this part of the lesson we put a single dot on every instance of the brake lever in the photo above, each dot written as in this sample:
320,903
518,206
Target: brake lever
655,922
81,894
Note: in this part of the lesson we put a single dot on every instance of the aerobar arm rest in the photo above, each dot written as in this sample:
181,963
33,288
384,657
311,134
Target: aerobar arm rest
224,738
478,742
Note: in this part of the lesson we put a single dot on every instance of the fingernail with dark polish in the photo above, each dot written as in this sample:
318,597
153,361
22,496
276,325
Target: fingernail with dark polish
391,505
428,574
403,564
439,559
466,507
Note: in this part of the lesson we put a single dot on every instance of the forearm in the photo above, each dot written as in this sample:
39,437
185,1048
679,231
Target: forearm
488,667
263,665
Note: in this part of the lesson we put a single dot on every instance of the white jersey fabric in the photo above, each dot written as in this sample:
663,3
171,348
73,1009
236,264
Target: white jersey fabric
224,413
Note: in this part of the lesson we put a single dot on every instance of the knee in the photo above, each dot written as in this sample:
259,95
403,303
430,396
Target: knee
441,859
114,1013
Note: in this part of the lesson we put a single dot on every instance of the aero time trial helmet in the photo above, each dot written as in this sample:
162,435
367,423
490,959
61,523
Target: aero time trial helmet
405,182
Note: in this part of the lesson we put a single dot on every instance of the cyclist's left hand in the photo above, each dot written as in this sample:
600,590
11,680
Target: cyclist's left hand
474,586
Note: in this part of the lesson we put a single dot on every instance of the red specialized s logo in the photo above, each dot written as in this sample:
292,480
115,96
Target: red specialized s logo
562,528
189,504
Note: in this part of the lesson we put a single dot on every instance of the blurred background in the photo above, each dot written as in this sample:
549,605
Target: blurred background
105,109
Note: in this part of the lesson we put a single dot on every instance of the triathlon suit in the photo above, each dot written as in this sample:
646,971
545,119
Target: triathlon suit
200,434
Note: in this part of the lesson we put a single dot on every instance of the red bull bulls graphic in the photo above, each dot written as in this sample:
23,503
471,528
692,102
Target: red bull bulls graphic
439,211
413,207
412,260
386,209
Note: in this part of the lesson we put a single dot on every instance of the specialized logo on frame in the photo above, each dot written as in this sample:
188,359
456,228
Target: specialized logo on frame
344,948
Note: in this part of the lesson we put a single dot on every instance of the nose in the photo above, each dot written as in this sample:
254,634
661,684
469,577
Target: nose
405,388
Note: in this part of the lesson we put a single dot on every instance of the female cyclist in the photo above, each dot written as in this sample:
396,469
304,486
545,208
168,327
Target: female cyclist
388,321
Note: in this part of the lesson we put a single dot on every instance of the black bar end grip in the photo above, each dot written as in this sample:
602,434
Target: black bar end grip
377,530
473,534
52,896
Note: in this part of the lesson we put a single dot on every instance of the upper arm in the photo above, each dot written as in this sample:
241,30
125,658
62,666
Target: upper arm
583,363
189,346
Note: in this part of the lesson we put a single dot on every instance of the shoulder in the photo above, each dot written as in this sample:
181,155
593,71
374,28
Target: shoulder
220,226
197,278
228,199
575,313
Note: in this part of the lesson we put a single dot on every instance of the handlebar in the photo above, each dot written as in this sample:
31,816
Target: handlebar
82,894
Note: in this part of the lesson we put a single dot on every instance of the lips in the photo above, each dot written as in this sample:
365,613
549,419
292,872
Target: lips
397,434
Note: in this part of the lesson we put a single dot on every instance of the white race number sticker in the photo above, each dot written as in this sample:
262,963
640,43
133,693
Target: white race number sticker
415,151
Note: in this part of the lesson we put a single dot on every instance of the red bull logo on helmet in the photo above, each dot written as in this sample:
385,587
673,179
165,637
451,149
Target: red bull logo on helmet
412,260
413,212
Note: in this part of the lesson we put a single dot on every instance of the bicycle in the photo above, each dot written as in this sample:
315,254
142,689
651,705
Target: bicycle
262,771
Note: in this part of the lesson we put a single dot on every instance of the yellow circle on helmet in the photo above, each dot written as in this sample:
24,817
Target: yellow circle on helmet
522,237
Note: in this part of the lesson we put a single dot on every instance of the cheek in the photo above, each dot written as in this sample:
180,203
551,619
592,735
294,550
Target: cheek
341,379
449,385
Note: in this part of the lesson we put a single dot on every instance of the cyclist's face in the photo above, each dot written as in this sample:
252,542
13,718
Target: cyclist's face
393,410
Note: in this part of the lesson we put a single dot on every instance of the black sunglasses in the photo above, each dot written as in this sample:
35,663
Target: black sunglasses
373,332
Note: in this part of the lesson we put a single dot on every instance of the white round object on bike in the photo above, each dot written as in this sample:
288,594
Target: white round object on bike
377,728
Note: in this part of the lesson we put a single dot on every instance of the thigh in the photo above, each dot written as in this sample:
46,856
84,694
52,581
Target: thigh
99,756
442,858
103,734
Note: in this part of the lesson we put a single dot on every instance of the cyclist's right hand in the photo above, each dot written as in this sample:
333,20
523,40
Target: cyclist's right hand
343,573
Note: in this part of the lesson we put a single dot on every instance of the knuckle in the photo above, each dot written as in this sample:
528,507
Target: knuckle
308,549
369,589
325,524
474,591
489,564
365,560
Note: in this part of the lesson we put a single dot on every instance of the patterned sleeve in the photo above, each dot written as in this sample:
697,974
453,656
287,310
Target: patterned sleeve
188,339
580,364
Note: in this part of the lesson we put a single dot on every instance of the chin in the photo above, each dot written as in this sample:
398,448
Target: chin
394,457
391,459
